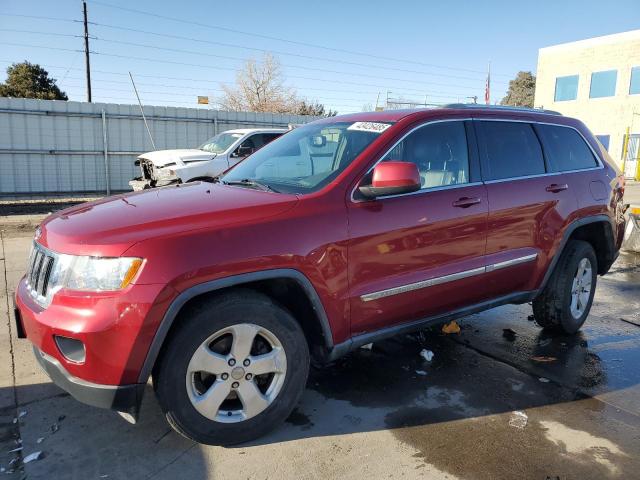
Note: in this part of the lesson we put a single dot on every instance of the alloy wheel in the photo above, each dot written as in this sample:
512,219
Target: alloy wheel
236,373
581,288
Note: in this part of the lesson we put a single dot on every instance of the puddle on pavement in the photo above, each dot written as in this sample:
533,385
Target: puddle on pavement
554,443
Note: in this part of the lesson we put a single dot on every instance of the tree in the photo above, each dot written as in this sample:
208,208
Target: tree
30,80
260,88
315,109
521,90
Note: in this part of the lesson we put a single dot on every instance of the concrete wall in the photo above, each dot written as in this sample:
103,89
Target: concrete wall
604,116
58,147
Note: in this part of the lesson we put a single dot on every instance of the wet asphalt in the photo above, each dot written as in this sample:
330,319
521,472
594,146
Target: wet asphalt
502,399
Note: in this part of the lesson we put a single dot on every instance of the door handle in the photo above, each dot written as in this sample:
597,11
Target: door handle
555,187
466,202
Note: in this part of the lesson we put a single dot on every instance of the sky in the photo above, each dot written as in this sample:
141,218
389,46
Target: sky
347,55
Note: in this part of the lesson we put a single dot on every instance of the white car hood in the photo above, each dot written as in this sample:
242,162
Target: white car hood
161,158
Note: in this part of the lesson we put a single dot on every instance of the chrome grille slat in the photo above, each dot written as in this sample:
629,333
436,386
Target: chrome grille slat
40,285
34,269
38,276
45,285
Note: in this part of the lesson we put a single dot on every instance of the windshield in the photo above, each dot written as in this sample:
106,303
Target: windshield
220,142
307,158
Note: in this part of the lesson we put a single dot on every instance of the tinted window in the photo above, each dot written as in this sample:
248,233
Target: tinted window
603,84
269,137
634,87
566,88
565,149
440,152
509,149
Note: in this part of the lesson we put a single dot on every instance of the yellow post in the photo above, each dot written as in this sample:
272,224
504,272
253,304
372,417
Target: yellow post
625,146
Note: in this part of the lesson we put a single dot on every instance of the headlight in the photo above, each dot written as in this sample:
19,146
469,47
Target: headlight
49,271
92,273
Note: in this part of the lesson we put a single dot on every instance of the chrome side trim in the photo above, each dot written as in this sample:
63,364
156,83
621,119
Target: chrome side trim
510,263
423,284
446,278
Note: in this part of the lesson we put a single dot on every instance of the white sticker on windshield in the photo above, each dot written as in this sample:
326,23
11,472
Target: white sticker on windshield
373,127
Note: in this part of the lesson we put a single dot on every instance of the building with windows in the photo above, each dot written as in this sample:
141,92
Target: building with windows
598,81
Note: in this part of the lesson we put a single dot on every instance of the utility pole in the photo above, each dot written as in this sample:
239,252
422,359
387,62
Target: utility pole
86,51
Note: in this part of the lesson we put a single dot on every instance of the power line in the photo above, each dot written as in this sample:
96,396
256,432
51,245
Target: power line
34,32
412,62
38,17
163,94
400,90
297,55
226,57
294,42
211,67
209,88
147,59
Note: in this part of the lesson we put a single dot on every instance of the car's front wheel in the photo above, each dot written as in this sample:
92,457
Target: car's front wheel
234,369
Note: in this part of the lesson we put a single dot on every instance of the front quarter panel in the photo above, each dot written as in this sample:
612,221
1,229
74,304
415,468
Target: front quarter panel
310,238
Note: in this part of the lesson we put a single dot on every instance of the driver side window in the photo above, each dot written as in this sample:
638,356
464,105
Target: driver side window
247,147
440,152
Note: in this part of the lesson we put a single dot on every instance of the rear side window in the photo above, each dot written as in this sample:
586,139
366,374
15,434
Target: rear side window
509,150
565,149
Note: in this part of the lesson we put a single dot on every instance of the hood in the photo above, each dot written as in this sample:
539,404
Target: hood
160,158
110,226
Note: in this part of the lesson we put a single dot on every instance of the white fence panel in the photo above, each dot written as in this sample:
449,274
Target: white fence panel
49,146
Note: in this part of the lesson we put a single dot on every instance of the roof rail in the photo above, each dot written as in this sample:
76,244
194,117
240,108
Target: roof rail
500,107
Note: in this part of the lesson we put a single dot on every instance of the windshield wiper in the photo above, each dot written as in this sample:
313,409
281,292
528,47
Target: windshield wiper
251,183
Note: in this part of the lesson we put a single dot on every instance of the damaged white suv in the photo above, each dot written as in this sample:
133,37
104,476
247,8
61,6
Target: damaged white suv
210,159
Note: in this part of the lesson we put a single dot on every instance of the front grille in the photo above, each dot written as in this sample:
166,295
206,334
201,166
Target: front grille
39,272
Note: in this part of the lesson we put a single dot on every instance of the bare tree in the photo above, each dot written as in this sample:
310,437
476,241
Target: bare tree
260,88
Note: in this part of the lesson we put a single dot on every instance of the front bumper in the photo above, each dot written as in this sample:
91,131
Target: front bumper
116,329
123,398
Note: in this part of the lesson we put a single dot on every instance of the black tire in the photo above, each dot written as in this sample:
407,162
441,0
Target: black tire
552,308
197,324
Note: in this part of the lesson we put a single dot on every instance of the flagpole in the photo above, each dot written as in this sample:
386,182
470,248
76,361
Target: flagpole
487,93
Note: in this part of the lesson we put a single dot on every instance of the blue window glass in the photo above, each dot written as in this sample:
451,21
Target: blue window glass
566,88
604,140
634,88
603,84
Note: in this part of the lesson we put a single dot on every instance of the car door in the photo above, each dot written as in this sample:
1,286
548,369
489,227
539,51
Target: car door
420,254
528,205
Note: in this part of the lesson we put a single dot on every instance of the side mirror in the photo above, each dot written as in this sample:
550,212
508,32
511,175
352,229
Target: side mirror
392,178
243,151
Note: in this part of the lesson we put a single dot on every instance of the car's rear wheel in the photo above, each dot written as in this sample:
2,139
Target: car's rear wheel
233,370
566,300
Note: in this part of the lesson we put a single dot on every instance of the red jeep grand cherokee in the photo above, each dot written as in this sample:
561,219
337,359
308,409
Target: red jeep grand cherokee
339,233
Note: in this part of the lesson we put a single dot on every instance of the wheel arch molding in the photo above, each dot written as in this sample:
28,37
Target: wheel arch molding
244,279
609,253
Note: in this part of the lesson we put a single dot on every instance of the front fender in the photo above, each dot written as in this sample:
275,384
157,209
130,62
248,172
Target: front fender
235,280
